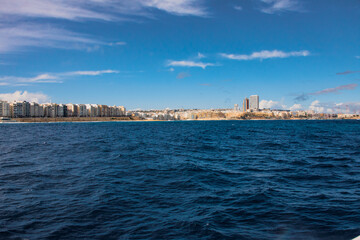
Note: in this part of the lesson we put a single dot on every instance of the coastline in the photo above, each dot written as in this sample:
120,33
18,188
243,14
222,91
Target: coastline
136,119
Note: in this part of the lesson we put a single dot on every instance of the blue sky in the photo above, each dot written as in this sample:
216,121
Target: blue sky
153,54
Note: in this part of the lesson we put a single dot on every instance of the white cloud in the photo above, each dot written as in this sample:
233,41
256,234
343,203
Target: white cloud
315,106
50,78
107,10
177,7
91,73
117,44
274,6
189,64
296,107
200,55
49,9
331,107
239,8
14,38
42,78
265,54
358,57
20,27
24,96
271,104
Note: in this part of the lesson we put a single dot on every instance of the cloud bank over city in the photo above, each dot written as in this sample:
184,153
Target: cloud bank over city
25,96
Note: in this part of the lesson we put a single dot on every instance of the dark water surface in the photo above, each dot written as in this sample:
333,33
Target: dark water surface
180,180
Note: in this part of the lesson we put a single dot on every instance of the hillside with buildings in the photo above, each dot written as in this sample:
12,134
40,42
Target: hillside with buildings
52,112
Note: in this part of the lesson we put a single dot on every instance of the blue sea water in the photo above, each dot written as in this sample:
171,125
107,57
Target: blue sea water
180,180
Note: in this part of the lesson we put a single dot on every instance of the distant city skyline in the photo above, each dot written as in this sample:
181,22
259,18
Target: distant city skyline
296,55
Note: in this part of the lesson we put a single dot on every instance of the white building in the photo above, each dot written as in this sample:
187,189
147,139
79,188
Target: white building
72,110
254,102
16,109
4,109
82,111
60,110
34,110
50,110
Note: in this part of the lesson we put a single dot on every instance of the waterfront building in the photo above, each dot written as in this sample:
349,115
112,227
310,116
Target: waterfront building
123,110
104,111
16,109
34,109
236,107
82,112
26,109
4,109
19,109
96,110
91,110
254,102
50,110
72,110
44,109
60,110
41,110
245,104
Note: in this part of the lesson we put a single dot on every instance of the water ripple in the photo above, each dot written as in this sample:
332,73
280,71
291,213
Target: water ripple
180,180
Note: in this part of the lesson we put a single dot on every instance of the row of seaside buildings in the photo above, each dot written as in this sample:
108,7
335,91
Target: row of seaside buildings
23,109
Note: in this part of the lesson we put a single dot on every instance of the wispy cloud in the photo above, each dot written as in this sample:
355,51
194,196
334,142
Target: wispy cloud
49,78
182,75
305,96
107,10
20,27
302,97
358,57
117,44
14,38
185,63
177,7
265,54
239,8
276,6
347,72
90,73
60,9
24,96
200,55
336,89
42,78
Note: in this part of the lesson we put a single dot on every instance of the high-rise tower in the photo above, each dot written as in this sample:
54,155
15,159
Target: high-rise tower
254,102
246,104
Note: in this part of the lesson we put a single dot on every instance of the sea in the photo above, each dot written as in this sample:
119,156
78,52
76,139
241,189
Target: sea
180,180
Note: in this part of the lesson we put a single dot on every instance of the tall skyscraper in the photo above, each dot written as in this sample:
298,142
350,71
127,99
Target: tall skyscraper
246,104
254,102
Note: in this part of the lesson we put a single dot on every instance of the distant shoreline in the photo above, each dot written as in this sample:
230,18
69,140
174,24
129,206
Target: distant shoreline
135,119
